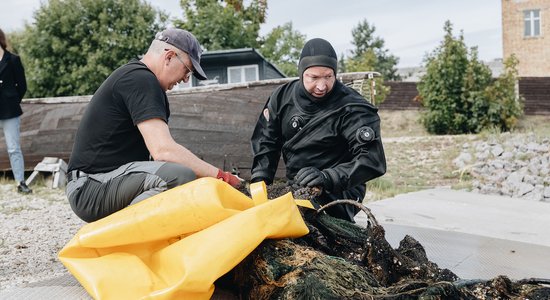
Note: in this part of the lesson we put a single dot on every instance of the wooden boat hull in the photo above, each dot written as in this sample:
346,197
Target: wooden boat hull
214,122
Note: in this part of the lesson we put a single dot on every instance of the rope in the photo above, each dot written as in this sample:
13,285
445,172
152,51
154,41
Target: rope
354,203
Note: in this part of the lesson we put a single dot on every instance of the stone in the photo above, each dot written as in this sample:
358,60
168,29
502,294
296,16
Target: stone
497,150
524,188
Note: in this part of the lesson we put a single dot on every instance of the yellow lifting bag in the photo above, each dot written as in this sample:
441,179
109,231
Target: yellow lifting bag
176,244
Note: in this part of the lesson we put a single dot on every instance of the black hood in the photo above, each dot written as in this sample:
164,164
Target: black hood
317,52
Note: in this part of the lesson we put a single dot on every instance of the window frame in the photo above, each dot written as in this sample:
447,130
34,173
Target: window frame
530,19
243,73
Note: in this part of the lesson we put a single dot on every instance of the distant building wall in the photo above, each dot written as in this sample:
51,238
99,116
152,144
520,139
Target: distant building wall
536,92
526,33
402,96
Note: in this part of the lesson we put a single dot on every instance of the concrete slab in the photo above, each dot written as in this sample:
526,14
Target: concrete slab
60,288
459,211
473,235
66,287
476,257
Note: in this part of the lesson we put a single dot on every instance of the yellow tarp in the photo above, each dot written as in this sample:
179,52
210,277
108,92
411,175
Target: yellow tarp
176,244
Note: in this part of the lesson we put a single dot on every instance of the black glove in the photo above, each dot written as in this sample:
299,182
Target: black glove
311,176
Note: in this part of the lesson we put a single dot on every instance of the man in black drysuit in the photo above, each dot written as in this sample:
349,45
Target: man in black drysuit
328,133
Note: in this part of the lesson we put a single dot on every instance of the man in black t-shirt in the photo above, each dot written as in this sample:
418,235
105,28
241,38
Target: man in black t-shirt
125,126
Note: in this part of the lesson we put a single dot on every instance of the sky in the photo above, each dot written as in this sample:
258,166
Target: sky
410,28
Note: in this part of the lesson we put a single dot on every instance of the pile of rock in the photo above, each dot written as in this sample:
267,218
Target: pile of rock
511,165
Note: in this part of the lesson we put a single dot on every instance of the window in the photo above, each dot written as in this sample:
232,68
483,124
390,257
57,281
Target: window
242,73
531,19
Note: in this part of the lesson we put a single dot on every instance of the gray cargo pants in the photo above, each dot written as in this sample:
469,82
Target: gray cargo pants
94,196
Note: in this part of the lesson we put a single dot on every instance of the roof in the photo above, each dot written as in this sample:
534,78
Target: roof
237,54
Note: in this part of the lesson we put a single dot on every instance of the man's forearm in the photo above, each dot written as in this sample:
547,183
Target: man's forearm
180,154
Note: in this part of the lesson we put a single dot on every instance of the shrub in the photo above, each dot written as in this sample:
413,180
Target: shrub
459,93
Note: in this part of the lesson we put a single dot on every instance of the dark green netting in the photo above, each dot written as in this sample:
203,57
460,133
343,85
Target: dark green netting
341,260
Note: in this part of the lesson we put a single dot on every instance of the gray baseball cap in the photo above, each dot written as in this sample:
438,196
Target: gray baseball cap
186,42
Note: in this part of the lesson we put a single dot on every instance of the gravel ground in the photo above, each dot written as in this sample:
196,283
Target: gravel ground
33,228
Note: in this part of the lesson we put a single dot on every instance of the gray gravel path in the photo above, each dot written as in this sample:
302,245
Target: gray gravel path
33,228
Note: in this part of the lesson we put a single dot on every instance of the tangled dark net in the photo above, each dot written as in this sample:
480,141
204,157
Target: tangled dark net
341,260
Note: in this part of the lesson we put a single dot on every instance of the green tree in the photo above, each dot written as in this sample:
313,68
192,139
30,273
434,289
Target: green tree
477,78
505,106
342,66
282,46
459,93
441,87
370,47
225,24
73,45
363,63
14,40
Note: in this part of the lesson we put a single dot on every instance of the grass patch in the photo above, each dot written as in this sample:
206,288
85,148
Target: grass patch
384,187
538,125
6,180
401,123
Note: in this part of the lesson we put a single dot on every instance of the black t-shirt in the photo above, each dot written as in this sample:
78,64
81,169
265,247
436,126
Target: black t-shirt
108,136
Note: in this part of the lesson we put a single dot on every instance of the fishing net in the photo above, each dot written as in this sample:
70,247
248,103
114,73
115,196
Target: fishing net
342,260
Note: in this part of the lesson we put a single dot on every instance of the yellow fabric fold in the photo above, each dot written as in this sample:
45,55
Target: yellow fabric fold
176,244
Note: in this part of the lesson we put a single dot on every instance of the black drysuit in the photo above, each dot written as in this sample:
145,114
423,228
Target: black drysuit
339,135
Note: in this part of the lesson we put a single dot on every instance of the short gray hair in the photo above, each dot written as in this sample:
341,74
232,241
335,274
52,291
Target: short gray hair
158,47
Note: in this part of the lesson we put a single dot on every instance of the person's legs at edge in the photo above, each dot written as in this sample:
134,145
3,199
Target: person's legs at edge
11,134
